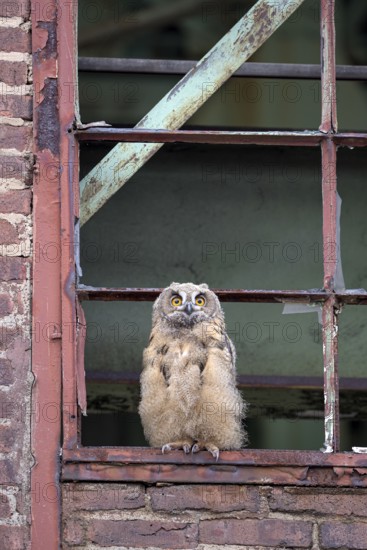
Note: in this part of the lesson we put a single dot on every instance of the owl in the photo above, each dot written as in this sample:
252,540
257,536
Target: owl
189,398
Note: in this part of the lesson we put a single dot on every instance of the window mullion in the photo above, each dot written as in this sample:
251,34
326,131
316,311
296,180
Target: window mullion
330,226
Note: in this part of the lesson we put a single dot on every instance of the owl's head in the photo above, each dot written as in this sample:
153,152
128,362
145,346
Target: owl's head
186,304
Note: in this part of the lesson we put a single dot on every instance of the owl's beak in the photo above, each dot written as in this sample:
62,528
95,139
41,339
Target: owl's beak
188,308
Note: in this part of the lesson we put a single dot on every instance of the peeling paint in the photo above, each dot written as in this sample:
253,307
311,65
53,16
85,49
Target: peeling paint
48,130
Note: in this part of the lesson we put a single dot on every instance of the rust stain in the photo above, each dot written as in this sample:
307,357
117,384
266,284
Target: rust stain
192,473
93,187
48,129
45,42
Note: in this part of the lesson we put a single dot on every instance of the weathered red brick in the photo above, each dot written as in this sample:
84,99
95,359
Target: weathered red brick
5,509
18,202
15,40
6,305
6,372
106,496
8,233
15,137
73,532
14,73
19,106
13,537
12,408
14,8
141,533
17,168
8,436
8,471
218,498
8,333
343,502
13,269
343,535
266,532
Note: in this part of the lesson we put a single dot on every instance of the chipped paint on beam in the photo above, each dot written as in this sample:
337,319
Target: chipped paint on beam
331,380
185,98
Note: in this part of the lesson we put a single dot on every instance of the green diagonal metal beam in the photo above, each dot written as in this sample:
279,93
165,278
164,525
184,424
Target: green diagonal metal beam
185,98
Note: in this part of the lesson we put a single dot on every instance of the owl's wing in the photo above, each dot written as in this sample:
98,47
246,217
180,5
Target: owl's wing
153,402
222,405
170,385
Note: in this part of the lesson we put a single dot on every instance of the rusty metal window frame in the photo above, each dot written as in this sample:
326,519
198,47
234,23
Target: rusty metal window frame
245,466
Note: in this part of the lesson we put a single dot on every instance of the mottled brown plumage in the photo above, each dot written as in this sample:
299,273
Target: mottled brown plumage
189,398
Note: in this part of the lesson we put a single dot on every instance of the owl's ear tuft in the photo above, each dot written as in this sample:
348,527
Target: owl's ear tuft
203,285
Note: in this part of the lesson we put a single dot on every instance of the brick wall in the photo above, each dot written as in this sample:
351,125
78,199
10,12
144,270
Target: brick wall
15,266
210,517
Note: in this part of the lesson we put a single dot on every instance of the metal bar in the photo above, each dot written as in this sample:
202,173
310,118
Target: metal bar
331,380
329,125
243,381
185,98
243,457
329,199
329,319
280,138
236,295
312,139
46,351
248,69
329,121
69,160
351,297
349,139
337,476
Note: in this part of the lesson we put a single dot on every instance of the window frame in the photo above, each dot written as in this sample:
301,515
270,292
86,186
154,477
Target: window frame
245,466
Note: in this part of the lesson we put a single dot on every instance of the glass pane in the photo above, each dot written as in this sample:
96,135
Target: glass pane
123,99
160,29
352,101
350,26
263,103
120,99
351,49
133,30
233,217
297,40
268,344
353,342
351,172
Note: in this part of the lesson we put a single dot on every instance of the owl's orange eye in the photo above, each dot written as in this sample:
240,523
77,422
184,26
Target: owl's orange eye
200,300
176,301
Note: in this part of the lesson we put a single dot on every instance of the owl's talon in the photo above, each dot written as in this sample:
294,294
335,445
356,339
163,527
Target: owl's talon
212,449
184,444
215,454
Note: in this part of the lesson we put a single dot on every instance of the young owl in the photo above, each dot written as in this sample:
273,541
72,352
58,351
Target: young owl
189,398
